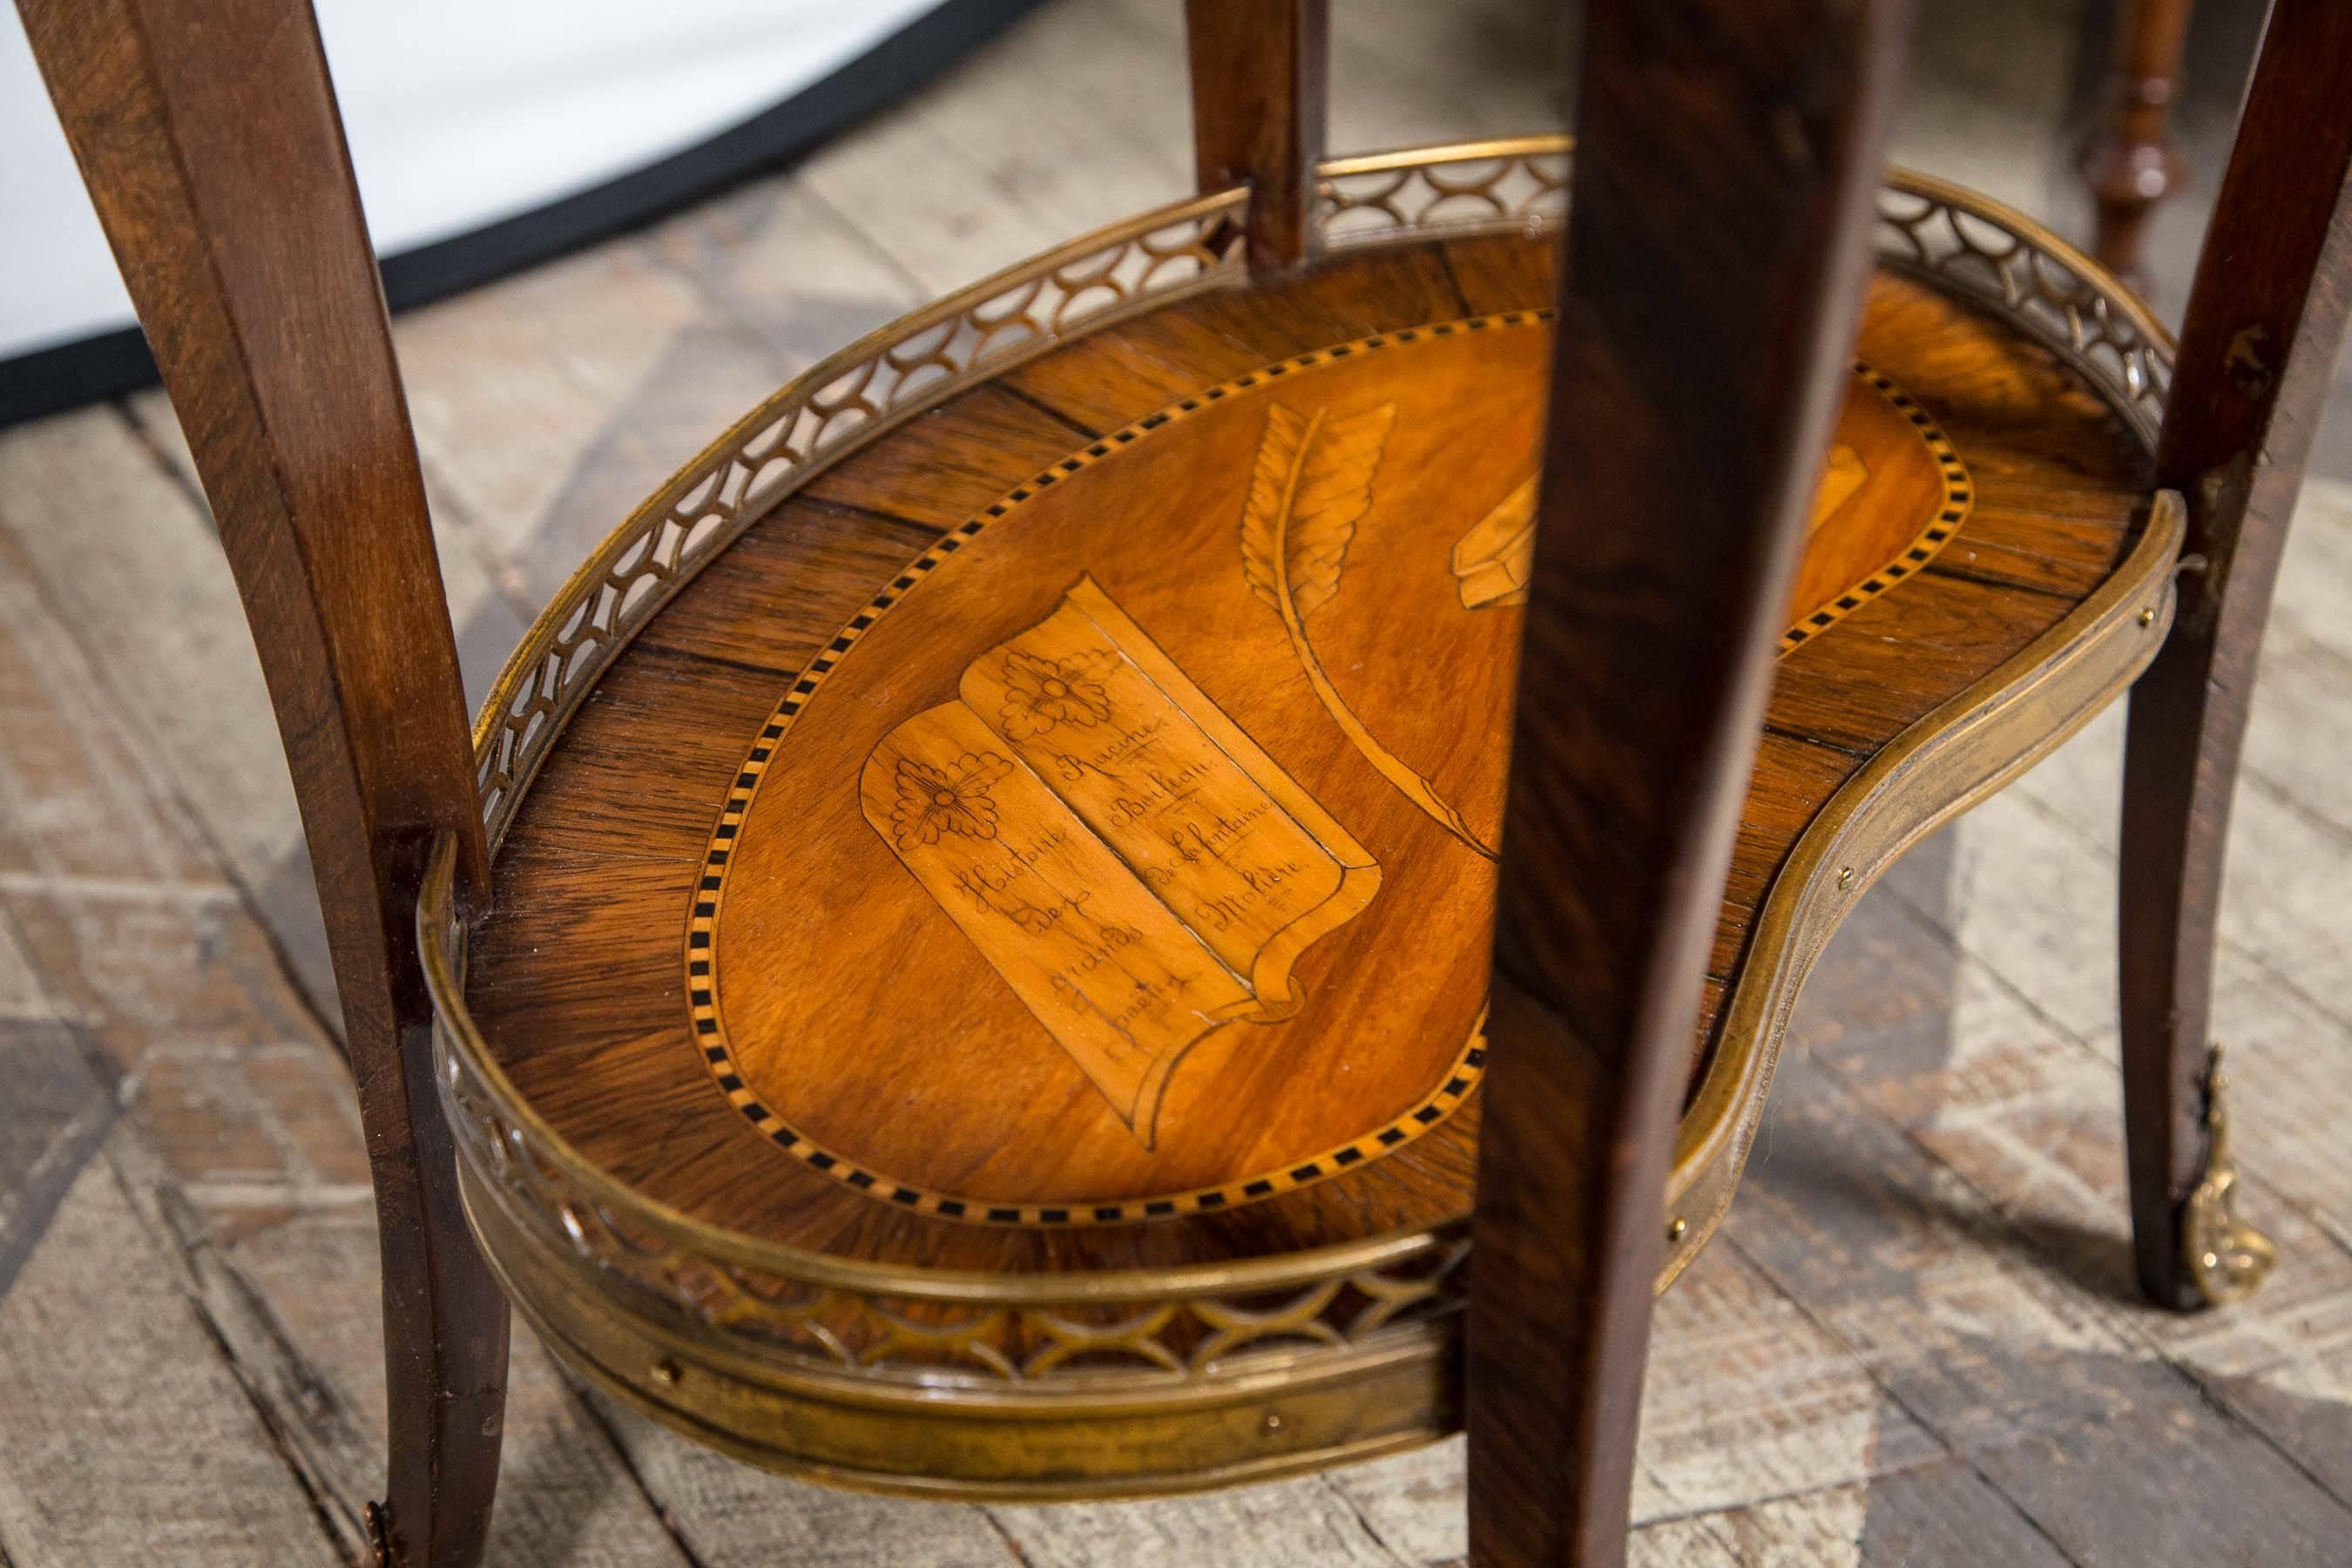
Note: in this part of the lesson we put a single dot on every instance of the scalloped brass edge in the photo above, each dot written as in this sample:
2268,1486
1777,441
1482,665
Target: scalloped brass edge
1260,1371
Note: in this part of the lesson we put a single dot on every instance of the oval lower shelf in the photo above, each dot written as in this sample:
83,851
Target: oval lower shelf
988,989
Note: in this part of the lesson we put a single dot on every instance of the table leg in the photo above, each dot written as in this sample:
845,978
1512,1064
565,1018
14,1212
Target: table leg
2131,162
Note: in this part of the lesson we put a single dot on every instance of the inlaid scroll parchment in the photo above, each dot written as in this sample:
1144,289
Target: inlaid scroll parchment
1134,866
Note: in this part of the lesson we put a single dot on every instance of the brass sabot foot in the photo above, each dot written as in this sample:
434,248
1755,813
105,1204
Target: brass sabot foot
2227,1258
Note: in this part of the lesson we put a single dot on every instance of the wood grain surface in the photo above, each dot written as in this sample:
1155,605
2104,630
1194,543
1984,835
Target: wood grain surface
1260,76
584,981
2264,331
1240,867
152,889
1691,414
211,144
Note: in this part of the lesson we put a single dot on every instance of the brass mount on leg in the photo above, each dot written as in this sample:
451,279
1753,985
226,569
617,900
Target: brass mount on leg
2227,1258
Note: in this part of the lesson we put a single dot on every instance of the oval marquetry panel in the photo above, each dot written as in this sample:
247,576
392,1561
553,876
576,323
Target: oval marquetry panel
1074,803
1170,783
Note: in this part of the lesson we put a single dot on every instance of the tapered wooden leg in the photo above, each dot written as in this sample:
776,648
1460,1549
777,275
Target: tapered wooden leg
445,1341
1727,155
2187,721
2131,162
207,133
2257,355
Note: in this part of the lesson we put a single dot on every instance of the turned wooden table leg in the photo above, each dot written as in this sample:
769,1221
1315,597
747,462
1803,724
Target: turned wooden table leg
2258,354
2130,163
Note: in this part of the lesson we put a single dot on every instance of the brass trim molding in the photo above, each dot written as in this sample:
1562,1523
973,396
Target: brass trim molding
724,1334
1948,761
1285,1411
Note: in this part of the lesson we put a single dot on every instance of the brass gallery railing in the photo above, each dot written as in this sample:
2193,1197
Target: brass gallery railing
839,1318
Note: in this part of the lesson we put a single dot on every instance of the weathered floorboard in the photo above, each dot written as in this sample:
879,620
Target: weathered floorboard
128,1439
196,1309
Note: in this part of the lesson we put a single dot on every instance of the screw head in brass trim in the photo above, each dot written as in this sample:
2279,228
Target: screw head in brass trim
666,1373
2148,615
1676,1228
1273,1422
1846,876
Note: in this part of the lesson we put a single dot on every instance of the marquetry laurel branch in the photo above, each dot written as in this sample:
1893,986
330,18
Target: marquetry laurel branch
1311,485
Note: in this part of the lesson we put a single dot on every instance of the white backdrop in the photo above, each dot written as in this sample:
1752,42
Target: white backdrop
460,112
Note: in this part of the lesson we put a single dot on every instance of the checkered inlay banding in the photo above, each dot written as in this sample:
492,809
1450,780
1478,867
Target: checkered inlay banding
711,889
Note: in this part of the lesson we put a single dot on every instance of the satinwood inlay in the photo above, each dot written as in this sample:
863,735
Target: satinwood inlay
1128,800
1136,868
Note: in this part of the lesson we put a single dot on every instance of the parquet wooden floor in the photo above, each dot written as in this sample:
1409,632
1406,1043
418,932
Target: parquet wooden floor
1915,1342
